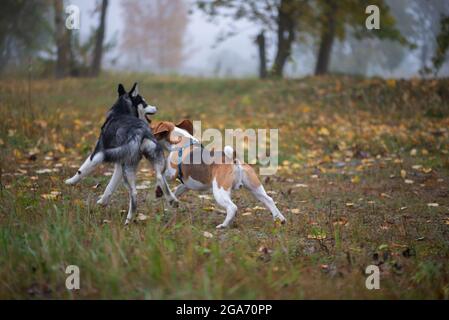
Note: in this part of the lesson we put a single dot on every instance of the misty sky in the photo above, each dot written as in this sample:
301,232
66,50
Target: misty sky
235,57
200,41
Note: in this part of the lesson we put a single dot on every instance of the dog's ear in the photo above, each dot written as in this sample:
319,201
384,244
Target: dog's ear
121,90
187,125
161,128
134,90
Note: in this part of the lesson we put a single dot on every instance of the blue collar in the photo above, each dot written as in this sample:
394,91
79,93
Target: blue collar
180,150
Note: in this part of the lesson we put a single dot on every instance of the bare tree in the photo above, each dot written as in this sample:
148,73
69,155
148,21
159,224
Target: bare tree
62,41
99,39
282,18
159,35
260,41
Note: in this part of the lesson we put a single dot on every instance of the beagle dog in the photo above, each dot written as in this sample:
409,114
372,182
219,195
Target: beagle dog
200,169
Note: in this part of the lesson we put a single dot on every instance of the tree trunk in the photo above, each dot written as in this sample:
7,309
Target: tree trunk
285,35
62,41
260,40
98,51
327,39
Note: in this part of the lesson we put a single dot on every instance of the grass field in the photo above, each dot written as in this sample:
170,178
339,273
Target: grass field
363,180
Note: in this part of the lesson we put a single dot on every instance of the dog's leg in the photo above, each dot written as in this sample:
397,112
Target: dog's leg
155,155
88,166
263,197
163,184
253,184
223,198
129,176
112,185
180,190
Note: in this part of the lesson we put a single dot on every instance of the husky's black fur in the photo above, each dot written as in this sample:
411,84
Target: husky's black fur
123,132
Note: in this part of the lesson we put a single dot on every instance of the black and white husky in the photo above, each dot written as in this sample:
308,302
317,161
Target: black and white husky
126,136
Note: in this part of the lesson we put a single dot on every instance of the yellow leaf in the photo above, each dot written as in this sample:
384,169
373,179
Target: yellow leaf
403,174
355,179
391,83
316,236
51,196
323,131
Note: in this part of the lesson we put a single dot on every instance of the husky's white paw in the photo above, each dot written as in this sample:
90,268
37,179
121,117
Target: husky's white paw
221,226
103,202
72,180
281,218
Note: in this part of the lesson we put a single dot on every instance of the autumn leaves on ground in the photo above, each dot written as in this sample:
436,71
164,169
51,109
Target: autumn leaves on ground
363,181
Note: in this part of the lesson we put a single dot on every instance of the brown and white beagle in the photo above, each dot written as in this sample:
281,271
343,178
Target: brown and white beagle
195,168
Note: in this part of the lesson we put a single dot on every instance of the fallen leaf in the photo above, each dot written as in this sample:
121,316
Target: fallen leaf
42,171
208,234
51,196
349,204
323,131
142,217
403,174
316,236
355,179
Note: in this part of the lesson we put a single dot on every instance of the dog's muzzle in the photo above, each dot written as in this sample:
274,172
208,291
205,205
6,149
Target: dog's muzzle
150,110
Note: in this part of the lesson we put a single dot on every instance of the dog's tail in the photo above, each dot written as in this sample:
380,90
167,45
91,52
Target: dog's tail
230,153
127,150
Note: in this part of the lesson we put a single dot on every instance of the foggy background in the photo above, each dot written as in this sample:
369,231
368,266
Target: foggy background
134,40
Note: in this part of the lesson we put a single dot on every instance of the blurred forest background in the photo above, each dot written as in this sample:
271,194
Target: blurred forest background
225,38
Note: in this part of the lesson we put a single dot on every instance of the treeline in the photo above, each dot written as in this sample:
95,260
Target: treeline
35,33
296,23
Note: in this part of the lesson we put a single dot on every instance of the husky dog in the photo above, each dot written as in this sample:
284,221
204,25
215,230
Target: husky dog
126,136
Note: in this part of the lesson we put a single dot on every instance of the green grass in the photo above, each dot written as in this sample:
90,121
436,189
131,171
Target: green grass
346,139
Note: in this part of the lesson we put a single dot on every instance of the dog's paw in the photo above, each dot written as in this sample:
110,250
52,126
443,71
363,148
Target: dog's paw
71,181
281,219
102,202
174,203
221,226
